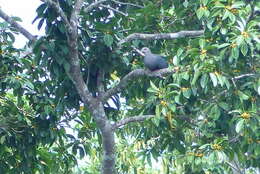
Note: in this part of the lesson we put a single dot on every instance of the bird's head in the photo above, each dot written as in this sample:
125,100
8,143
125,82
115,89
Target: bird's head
145,50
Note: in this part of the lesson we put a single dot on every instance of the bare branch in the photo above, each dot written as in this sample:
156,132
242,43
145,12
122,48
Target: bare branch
113,9
242,76
158,36
127,3
93,5
132,76
17,26
131,119
138,51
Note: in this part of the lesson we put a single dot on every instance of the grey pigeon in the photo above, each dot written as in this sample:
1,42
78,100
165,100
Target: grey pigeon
153,61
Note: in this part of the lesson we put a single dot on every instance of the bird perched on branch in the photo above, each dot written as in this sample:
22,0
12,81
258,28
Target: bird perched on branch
153,61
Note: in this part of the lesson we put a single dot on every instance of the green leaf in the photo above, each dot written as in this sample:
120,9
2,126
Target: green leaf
185,3
232,18
226,15
202,43
174,85
215,112
200,13
175,61
179,52
244,49
223,45
2,139
108,40
196,76
204,80
213,79
29,84
74,149
172,107
240,125
66,66
204,2
235,52
154,87
47,109
204,146
187,93
240,40
226,82
185,76
81,152
221,156
224,106
40,24
223,31
237,4
242,96
220,80
157,111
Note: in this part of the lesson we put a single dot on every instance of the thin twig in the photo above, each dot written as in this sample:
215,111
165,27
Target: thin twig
127,3
93,5
131,119
113,9
138,51
242,76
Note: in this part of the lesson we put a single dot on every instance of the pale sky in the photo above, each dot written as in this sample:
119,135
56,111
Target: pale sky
25,9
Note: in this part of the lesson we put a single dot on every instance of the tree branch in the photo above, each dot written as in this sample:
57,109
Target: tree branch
158,36
127,3
113,9
76,10
93,5
131,119
132,76
17,26
242,76
58,9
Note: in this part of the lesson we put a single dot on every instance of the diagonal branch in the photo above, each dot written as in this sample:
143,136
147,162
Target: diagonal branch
113,9
93,5
131,119
127,3
17,26
158,36
59,10
242,76
131,77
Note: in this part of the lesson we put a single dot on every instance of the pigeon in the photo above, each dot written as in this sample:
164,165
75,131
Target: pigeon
153,61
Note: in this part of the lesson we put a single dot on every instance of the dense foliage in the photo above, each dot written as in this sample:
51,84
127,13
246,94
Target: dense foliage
206,113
